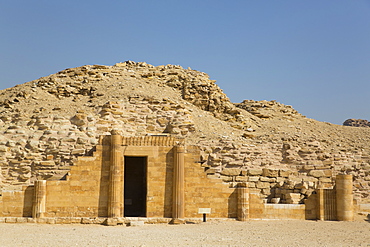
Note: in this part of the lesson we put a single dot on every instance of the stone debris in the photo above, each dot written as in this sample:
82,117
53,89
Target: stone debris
357,123
47,123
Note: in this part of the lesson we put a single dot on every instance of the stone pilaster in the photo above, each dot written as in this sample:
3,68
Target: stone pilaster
320,204
178,207
344,198
115,199
243,203
39,199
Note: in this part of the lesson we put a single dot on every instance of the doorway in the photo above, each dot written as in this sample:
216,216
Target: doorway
135,187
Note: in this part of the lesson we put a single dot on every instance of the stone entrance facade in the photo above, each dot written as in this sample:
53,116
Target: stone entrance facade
160,179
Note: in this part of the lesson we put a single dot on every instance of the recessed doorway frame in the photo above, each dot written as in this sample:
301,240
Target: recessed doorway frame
135,189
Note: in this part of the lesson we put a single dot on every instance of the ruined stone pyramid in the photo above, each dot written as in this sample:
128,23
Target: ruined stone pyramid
47,123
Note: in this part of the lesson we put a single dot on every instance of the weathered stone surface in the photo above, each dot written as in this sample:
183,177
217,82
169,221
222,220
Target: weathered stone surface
317,173
272,173
293,198
255,172
61,116
262,185
231,172
357,123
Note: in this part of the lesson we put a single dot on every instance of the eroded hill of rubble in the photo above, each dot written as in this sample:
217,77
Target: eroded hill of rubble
356,123
47,123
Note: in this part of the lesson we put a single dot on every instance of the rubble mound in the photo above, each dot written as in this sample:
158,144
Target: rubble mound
47,123
268,109
356,123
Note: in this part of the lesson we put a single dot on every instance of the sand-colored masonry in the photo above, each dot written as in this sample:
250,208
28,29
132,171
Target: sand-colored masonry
243,203
115,196
178,211
39,199
344,197
177,187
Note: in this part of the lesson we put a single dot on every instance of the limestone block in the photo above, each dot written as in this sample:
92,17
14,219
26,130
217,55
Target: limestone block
328,162
266,179
305,151
284,173
313,144
50,221
87,221
236,163
10,143
21,142
255,172
308,167
300,186
325,180
289,185
292,198
10,131
262,185
21,220
307,192
310,179
251,185
213,170
275,200
68,139
328,173
31,220
213,176
24,177
11,220
253,179
78,152
213,156
48,163
231,171
272,173
226,178
241,179
82,140
266,191
215,163
366,167
136,223
316,173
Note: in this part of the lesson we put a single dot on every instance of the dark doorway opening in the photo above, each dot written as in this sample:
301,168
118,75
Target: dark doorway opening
135,186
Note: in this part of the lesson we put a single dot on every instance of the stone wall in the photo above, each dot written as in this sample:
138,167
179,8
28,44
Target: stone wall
45,146
85,192
40,139
278,170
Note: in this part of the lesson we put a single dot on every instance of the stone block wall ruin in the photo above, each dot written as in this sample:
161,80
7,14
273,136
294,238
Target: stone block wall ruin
176,187
282,158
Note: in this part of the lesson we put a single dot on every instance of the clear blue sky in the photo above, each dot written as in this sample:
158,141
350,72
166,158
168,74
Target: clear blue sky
313,55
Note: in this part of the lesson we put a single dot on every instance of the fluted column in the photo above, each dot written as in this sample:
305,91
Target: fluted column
178,207
320,209
243,203
39,199
344,198
115,196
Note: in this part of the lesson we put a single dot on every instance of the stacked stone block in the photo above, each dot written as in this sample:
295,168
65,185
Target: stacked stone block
46,143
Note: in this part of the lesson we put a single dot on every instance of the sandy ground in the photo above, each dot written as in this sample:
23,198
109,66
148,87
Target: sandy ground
234,233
